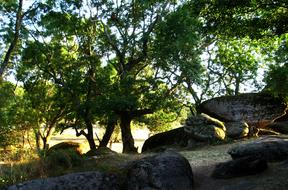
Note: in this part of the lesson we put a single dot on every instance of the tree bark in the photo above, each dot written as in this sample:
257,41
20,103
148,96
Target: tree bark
112,121
127,138
89,135
13,44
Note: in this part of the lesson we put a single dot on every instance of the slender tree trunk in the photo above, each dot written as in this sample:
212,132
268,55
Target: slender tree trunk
38,139
112,121
89,135
13,44
127,138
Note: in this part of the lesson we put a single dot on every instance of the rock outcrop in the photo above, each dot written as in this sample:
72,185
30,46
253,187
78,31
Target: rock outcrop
251,108
271,149
239,167
197,130
168,170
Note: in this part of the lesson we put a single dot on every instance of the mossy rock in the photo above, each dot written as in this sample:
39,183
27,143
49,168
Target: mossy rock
101,151
66,146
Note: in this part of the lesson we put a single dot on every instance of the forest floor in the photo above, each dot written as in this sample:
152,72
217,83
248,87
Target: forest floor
204,159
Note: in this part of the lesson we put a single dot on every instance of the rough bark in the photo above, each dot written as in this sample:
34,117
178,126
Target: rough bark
127,138
19,17
112,121
89,135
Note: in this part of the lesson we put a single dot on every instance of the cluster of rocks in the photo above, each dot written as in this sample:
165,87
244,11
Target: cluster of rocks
224,118
170,170
252,158
166,171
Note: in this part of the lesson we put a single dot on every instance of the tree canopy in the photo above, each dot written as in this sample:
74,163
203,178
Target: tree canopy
121,62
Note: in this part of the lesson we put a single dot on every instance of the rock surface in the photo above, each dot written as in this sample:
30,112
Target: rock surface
166,171
76,181
250,107
271,149
198,129
236,129
239,167
173,137
66,146
281,127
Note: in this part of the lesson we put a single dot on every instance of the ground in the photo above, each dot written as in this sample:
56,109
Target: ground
203,161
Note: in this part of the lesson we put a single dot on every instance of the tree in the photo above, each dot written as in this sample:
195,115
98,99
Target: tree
109,63
264,22
47,108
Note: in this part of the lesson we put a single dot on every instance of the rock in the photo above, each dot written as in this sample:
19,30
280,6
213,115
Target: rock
66,146
271,149
200,129
101,151
205,128
173,137
281,127
251,108
166,171
237,129
282,118
204,119
77,181
239,167
241,185
205,133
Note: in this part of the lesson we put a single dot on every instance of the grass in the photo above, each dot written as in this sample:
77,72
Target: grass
26,165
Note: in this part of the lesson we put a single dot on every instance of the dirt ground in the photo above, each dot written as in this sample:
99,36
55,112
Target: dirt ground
204,160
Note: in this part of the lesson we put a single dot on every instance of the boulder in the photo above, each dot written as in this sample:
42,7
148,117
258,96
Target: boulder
205,128
66,146
281,127
205,133
176,137
200,129
101,151
270,148
204,119
165,171
251,108
239,167
168,170
80,181
237,129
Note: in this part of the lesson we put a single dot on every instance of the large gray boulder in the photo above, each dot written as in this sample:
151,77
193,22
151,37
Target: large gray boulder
270,148
251,108
166,171
75,181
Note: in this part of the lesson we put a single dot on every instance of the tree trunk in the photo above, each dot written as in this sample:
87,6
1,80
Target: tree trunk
89,135
13,44
127,138
112,121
